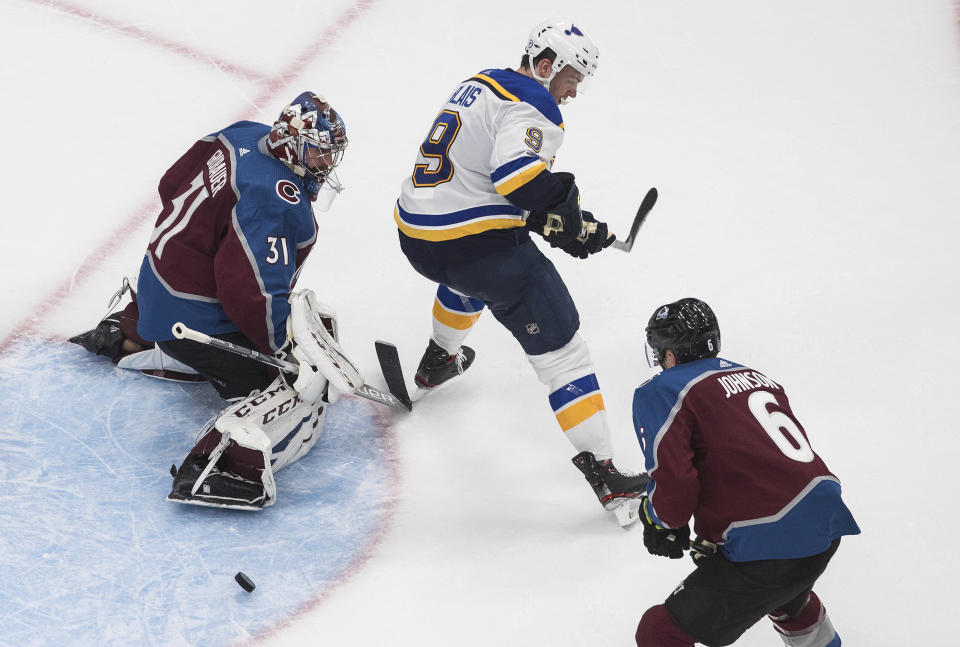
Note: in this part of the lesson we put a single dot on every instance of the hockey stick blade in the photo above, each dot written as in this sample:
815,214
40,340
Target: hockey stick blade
392,372
646,205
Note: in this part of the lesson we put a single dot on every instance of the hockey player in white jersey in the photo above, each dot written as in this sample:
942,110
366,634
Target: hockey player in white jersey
481,182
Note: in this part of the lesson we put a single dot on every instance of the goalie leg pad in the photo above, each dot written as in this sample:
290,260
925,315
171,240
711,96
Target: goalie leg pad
155,363
248,442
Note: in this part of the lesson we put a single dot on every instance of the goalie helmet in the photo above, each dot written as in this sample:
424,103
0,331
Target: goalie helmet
571,46
688,327
310,137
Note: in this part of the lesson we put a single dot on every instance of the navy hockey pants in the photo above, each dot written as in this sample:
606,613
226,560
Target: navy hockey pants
523,290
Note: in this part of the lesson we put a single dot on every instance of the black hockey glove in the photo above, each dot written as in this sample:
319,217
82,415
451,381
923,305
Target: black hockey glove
562,223
593,238
665,542
701,550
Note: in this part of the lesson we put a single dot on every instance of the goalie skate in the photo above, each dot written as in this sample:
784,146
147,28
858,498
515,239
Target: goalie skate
217,488
107,338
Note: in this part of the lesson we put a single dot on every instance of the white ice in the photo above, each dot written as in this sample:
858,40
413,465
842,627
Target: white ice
807,156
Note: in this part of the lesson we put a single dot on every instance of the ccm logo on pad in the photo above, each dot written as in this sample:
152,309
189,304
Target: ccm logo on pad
288,191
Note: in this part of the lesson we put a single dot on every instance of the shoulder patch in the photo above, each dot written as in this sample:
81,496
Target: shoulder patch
288,191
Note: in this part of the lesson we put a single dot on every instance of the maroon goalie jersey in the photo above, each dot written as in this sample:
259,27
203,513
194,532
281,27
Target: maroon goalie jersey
235,228
723,446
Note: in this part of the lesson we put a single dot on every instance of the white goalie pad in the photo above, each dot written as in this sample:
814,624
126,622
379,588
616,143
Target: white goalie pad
234,462
154,359
317,350
277,422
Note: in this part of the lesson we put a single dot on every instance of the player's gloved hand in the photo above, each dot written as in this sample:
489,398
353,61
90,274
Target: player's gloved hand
665,542
561,223
701,550
592,239
310,383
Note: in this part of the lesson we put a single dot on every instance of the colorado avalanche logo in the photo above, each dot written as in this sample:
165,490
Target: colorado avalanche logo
288,191
662,314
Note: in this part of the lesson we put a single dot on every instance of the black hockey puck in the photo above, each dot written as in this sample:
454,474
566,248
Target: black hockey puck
245,582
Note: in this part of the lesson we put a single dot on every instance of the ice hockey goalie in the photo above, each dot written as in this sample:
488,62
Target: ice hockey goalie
233,463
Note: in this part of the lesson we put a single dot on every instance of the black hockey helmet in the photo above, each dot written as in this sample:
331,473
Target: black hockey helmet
688,327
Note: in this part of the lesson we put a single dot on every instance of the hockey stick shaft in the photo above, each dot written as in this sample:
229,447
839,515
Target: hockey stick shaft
181,331
646,205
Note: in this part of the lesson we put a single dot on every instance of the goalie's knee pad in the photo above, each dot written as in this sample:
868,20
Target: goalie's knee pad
233,464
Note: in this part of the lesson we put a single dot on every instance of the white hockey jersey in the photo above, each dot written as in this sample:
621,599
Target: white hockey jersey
497,131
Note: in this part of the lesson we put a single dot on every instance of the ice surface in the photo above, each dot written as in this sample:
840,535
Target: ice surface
91,553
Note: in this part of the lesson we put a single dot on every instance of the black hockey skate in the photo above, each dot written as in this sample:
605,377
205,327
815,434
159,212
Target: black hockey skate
437,365
106,339
218,489
615,490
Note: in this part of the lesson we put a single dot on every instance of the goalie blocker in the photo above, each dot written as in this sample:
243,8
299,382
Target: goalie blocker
234,462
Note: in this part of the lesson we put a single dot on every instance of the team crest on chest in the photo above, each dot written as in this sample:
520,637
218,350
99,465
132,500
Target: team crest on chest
288,191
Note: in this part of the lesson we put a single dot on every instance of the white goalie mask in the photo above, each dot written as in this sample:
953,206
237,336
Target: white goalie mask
571,45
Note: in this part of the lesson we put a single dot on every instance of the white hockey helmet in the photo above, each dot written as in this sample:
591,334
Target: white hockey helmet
569,43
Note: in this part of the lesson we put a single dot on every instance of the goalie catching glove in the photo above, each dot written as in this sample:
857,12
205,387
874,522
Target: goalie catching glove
313,328
566,226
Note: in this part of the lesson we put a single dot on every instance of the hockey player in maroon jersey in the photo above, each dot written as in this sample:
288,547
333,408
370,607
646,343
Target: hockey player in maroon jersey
723,446
236,226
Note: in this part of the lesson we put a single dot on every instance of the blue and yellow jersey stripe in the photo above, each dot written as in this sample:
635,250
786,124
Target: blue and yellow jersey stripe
576,401
514,174
466,222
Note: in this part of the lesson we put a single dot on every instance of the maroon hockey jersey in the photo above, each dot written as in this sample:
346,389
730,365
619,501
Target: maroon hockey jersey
722,445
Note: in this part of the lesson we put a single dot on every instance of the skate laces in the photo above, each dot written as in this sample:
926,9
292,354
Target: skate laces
459,357
115,299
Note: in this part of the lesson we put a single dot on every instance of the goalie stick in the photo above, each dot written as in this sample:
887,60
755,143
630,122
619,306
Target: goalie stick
646,205
392,372
393,376
180,331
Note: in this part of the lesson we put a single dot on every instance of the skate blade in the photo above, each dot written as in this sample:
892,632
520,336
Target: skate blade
420,392
628,512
